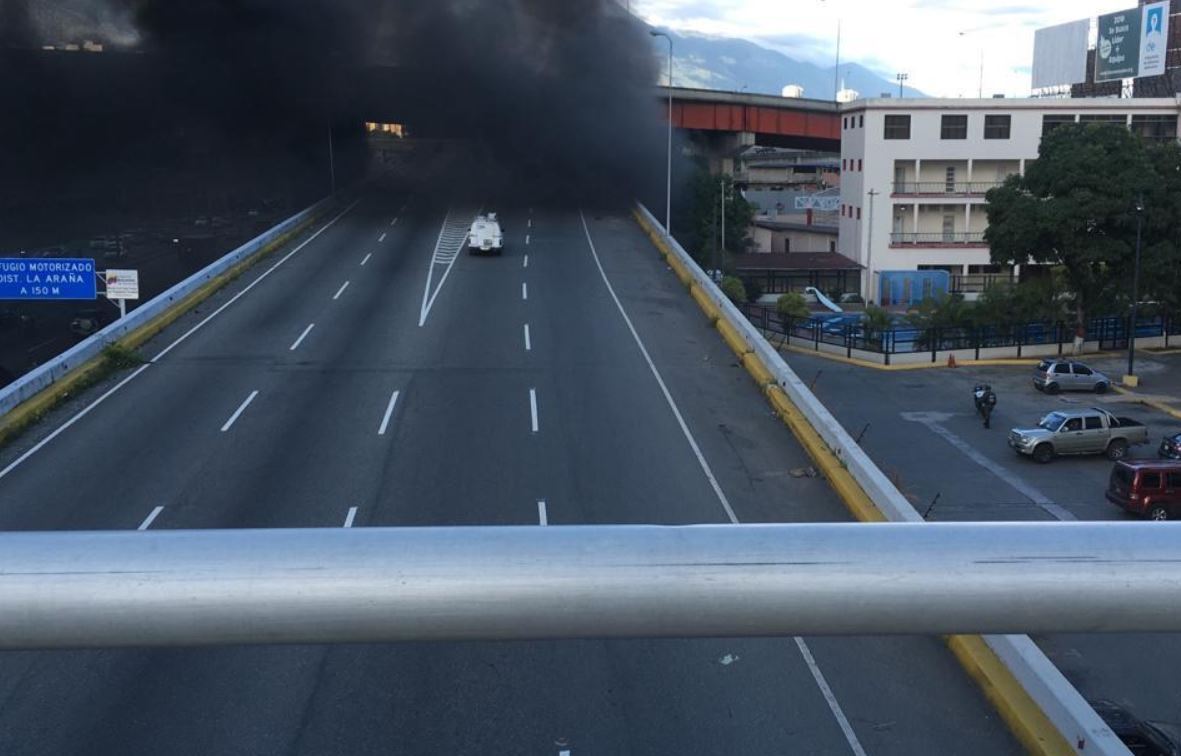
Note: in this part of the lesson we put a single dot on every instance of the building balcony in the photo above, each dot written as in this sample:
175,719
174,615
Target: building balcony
942,188
939,239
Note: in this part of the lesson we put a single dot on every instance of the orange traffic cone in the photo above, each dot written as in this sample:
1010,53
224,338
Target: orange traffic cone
951,361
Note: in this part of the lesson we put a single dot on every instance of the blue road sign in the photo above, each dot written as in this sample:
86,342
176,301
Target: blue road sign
47,278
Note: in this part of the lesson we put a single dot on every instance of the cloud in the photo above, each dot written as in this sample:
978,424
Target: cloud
938,42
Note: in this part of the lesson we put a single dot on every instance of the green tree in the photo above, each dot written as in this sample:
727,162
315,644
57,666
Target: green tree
936,313
1074,208
877,321
792,305
706,192
733,288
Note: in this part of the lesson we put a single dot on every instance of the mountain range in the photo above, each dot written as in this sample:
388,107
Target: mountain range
725,63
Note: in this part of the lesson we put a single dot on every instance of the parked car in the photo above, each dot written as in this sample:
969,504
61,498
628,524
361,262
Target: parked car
1088,431
1142,738
1170,447
1150,488
1053,376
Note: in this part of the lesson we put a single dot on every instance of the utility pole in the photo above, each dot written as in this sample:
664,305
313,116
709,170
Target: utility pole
869,252
723,183
668,191
331,159
1130,379
836,71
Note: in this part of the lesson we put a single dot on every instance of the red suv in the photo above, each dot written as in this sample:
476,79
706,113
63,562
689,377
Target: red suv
1147,487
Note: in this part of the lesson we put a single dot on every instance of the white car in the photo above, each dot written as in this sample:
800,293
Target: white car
486,236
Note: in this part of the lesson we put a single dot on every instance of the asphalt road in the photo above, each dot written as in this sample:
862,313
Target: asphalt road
923,432
308,402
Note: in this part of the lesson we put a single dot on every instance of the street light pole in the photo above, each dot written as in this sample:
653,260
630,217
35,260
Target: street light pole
901,84
1135,294
865,294
331,159
723,184
668,189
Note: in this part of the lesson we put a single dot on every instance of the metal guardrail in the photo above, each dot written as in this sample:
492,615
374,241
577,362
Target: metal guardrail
969,188
105,589
937,238
45,375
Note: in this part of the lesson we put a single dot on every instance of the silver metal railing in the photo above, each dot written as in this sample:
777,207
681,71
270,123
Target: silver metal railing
99,589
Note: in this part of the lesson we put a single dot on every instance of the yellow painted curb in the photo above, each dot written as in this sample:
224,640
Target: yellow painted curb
35,406
705,303
1020,712
1156,405
855,499
1012,362
755,367
732,338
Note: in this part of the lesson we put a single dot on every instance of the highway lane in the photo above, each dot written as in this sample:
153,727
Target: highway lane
459,448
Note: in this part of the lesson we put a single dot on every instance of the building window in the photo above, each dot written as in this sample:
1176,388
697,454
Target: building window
1162,128
861,122
859,164
1118,118
832,246
954,127
1051,122
844,123
997,126
858,213
897,127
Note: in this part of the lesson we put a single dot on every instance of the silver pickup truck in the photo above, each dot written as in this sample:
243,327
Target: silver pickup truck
1088,431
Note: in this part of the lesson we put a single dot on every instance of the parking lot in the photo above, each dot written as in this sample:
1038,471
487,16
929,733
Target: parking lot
921,428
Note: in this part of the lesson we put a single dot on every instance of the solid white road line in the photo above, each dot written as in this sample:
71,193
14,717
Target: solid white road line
83,413
524,291
542,517
528,341
340,291
147,523
352,515
366,258
833,705
253,283
705,468
302,336
381,238
533,407
238,412
932,421
389,411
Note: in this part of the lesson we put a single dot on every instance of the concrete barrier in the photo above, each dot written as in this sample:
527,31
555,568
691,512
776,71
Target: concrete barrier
84,355
1040,705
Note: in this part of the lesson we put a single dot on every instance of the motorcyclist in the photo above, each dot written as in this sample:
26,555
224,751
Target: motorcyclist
985,400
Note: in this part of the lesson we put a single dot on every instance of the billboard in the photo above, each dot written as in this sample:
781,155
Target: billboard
1060,54
1132,43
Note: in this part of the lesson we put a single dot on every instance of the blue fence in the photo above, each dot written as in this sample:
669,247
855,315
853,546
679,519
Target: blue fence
850,332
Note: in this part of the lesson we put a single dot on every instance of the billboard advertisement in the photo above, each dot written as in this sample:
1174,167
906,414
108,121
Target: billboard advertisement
1060,54
1132,43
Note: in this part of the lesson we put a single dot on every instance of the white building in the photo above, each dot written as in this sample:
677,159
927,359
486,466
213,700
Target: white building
914,174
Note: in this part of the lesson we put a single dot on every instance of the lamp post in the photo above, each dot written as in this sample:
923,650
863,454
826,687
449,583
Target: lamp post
668,189
902,77
980,83
1130,378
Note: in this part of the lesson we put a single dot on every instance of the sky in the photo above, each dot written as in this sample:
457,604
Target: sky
919,37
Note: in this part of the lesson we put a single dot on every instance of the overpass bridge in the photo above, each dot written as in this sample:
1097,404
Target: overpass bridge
367,375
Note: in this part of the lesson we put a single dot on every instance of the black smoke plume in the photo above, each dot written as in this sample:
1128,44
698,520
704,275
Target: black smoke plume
557,92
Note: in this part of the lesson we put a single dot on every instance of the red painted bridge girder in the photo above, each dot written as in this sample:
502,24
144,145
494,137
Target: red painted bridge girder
702,110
